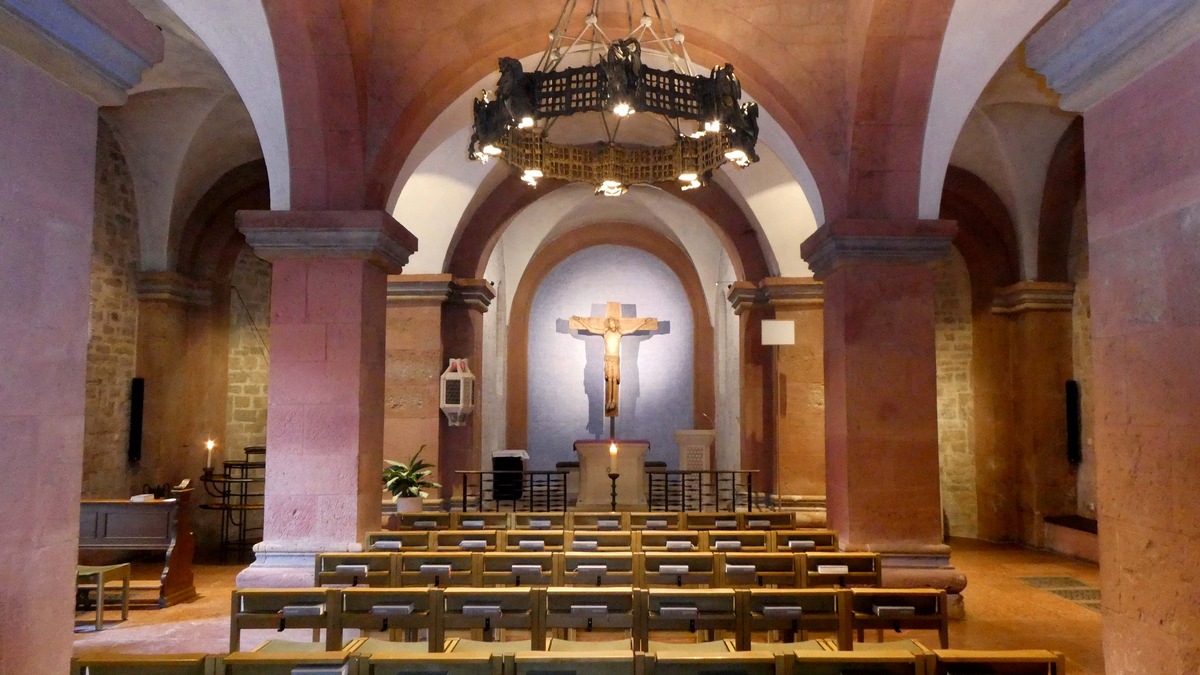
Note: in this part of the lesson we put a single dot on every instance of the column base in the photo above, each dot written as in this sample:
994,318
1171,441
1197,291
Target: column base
287,564
923,566
809,510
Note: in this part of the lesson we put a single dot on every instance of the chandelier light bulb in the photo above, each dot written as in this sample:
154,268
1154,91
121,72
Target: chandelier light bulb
622,109
526,122
691,186
688,177
712,126
531,176
492,151
738,156
611,188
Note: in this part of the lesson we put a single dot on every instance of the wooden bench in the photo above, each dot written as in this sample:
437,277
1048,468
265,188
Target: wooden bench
116,530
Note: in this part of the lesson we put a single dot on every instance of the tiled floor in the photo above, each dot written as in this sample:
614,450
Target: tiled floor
1005,610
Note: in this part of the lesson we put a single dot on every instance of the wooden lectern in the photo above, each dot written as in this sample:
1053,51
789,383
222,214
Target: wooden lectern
595,463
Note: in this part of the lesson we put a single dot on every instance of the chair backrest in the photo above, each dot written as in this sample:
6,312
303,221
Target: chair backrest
448,663
451,568
572,663
760,570
393,541
354,569
533,540
284,608
601,569
841,569
485,609
599,541
670,662
677,609
878,662
608,608
766,520
656,520
393,610
710,520
464,520
281,663
805,541
583,520
662,568
141,664
1009,662
731,541
501,568
794,610
677,541
539,521
470,541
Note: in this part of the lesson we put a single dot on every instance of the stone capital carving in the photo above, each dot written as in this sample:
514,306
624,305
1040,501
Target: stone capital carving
793,292
476,294
1027,296
97,48
419,289
174,287
369,235
1088,51
899,242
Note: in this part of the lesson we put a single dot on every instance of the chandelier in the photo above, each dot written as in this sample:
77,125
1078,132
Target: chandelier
594,112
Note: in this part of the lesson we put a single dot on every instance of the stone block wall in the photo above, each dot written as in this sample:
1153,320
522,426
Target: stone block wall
1081,331
112,334
249,349
955,396
412,376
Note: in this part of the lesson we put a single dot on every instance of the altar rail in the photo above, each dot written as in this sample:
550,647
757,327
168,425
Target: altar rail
700,490
542,491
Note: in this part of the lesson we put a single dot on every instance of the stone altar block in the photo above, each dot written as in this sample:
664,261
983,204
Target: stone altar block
595,488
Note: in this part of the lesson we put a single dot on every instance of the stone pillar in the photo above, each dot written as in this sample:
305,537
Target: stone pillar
46,217
757,386
800,404
462,337
1039,317
882,488
326,389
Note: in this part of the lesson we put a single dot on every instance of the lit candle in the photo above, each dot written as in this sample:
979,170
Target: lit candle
210,445
612,457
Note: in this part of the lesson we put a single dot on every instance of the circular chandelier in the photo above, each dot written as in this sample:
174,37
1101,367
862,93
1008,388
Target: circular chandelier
644,125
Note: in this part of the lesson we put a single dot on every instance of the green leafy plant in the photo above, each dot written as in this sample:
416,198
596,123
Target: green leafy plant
409,479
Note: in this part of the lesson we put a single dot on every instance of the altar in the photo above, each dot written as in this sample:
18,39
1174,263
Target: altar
596,462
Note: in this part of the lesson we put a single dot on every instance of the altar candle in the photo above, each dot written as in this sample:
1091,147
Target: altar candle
210,445
612,457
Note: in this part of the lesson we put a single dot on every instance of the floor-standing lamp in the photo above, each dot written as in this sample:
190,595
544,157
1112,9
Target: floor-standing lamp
776,332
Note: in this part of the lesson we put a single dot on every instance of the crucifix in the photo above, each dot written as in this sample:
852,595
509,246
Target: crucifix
613,327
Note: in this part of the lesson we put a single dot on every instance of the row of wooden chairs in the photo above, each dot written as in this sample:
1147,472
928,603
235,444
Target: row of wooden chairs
366,656
655,568
545,612
761,541
586,520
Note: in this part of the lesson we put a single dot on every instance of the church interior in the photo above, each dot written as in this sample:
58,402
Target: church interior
936,299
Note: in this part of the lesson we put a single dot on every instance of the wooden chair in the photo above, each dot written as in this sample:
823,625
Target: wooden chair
676,541
841,569
604,520
601,569
484,610
142,664
805,541
284,608
570,610
710,520
539,521
441,570
901,609
585,662
691,610
599,541
656,520
462,520
274,658
734,541
389,541
792,612
469,541
447,663
1010,662
354,569
882,662
923,653
90,578
678,662
428,520
679,569
400,612
533,540
766,520
501,568
760,570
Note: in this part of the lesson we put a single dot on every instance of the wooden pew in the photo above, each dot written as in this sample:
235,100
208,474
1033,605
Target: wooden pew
118,530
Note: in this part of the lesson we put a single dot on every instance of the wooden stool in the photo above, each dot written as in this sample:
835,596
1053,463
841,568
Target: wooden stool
102,575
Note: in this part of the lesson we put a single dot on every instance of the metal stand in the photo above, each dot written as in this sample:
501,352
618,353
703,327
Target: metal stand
613,477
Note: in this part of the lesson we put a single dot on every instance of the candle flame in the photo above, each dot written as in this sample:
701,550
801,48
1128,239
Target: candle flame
612,448
210,444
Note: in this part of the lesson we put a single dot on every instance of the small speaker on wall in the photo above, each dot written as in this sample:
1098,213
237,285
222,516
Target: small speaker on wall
137,395
1074,424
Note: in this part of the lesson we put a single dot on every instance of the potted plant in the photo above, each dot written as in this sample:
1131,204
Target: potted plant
409,482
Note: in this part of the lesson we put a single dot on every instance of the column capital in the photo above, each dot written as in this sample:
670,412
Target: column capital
369,235
97,48
166,286
1026,296
476,294
418,289
1086,53
793,292
745,296
903,242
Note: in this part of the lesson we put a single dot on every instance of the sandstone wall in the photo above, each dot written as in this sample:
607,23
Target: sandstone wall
955,394
112,335
249,347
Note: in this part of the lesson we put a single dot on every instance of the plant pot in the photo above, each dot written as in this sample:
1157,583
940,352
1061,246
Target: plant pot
409,504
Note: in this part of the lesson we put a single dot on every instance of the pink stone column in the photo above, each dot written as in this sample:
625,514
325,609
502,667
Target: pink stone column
881,442
325,406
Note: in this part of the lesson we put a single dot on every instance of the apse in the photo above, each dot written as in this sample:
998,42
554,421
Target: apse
566,372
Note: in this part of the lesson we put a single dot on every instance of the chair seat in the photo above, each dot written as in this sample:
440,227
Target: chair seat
375,646
279,646
786,647
506,647
556,645
688,647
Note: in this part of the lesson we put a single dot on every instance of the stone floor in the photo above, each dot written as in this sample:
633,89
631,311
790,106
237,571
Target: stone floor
1015,599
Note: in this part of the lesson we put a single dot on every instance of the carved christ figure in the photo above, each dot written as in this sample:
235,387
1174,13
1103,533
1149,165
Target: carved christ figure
612,327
